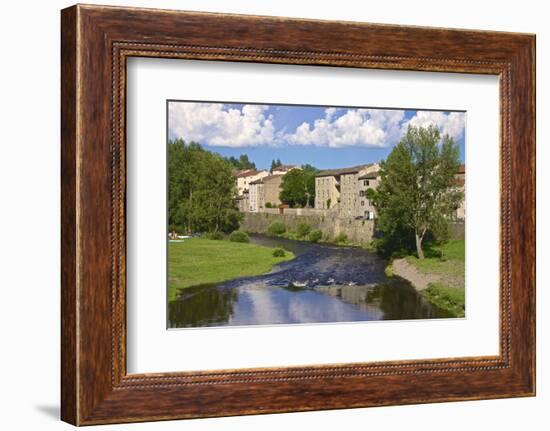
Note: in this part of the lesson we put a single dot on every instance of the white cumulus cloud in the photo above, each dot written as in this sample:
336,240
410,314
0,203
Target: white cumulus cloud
217,125
355,127
451,124
225,125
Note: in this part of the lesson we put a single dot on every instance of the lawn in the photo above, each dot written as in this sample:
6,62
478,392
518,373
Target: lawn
448,262
201,261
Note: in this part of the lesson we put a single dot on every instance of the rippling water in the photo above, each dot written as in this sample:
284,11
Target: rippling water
323,283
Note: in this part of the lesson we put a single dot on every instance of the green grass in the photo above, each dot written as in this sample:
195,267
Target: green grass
201,261
450,299
447,259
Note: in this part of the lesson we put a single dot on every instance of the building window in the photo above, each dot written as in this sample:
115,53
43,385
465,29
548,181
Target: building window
362,203
366,182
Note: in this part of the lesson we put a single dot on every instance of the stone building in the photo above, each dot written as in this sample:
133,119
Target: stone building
244,178
368,180
256,195
243,201
327,191
272,188
338,189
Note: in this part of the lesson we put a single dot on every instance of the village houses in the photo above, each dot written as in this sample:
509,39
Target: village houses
343,191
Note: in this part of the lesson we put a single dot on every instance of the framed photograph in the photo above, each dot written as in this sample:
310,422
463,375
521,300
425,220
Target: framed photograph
263,214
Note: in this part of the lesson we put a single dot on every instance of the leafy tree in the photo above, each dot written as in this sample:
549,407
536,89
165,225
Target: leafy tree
417,193
275,164
201,189
242,162
298,187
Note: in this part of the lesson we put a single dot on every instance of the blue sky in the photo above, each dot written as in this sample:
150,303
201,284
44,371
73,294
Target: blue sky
323,136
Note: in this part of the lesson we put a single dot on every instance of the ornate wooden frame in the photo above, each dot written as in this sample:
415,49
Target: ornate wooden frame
95,43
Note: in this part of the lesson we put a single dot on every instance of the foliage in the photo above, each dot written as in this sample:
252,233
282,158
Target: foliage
199,261
239,236
201,190
242,162
450,299
275,164
417,194
298,187
268,205
279,252
276,228
302,230
341,238
315,235
217,235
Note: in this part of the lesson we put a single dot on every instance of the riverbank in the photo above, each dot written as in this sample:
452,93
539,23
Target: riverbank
198,261
439,277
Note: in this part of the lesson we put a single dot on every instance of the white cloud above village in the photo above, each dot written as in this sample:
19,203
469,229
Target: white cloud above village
354,127
451,124
221,125
218,125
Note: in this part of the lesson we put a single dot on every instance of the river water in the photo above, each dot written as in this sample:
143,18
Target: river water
324,283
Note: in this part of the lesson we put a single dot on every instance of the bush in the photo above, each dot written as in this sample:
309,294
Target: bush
276,228
218,236
279,252
239,236
268,205
341,238
315,235
302,230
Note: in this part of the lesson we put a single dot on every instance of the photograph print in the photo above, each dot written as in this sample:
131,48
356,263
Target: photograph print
298,214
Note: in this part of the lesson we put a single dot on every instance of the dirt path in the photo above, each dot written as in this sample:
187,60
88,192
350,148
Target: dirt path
419,280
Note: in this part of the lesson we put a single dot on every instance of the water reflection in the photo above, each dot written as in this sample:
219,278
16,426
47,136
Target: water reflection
323,284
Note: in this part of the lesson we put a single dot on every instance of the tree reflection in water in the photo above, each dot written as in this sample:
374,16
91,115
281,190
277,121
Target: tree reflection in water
201,305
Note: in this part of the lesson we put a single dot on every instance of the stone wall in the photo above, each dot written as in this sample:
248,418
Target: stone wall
357,231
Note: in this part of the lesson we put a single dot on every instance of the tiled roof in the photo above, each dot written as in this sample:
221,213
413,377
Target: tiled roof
247,173
269,177
370,176
342,171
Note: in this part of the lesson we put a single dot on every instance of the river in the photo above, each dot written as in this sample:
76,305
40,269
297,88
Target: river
324,283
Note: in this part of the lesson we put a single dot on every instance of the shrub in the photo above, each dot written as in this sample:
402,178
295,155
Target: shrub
239,236
341,238
268,205
302,230
315,235
279,252
218,236
276,228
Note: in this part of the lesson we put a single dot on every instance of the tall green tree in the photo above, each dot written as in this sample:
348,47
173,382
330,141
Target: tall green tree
201,189
275,164
418,190
298,187
242,162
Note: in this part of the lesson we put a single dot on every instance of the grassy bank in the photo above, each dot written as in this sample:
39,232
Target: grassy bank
446,262
202,261
450,299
